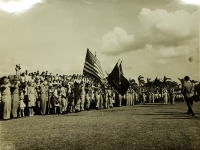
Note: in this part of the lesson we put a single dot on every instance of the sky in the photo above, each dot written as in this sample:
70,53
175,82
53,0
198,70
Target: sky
151,37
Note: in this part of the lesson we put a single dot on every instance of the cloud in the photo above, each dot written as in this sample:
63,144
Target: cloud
88,1
168,29
193,2
173,52
159,28
116,41
95,1
19,6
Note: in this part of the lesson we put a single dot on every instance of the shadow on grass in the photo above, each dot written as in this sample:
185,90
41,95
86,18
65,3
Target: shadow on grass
149,106
163,114
174,112
178,117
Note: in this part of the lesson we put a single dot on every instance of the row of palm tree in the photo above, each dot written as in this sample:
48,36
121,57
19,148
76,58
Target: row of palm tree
156,84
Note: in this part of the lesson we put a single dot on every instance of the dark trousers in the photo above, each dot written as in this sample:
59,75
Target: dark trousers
189,102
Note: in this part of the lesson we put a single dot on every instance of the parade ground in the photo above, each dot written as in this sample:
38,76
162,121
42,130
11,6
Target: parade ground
149,126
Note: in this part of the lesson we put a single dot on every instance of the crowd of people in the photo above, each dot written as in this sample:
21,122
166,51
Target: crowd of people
43,93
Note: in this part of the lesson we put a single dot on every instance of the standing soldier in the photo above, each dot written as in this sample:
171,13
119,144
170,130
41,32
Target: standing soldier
130,96
102,101
132,99
165,96
97,95
120,100
171,94
143,97
110,98
106,103
127,97
152,97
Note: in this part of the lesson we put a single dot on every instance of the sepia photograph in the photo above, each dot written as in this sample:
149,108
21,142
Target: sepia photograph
99,75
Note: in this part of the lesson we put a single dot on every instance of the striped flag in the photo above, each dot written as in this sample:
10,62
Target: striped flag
92,66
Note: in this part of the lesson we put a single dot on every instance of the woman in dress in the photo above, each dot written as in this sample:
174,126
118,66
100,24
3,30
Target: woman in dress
82,95
43,98
15,99
32,96
6,98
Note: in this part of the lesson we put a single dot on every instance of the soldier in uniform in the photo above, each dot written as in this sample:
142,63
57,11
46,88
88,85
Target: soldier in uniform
156,96
133,96
106,100
171,95
120,100
144,97
128,97
103,100
110,98
97,95
152,97
165,96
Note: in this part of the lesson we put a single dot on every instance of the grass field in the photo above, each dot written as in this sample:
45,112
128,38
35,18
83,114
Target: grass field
139,127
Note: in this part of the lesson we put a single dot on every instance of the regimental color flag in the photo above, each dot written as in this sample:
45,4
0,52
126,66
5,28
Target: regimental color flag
92,66
117,79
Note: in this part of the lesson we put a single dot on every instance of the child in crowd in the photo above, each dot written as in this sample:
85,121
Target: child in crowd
21,104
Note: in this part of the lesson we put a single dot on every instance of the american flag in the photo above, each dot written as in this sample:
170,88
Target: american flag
92,66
